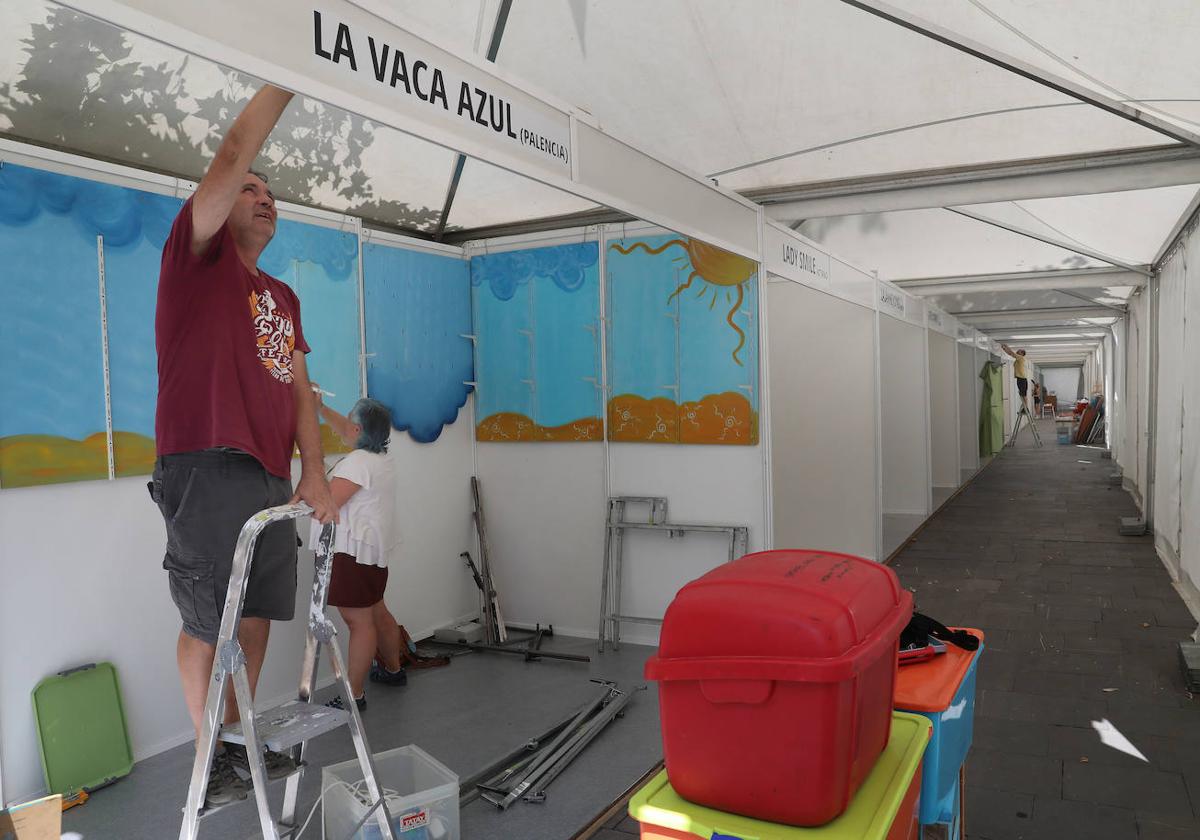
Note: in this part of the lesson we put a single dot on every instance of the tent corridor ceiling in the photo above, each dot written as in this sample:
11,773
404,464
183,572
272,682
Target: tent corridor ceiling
780,105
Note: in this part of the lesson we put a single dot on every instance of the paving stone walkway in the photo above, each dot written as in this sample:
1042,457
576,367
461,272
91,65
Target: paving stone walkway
1081,626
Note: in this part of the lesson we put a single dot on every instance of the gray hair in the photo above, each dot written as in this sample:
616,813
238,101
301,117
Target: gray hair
262,176
376,422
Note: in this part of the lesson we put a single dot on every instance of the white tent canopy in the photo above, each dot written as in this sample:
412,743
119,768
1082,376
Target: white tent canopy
779,100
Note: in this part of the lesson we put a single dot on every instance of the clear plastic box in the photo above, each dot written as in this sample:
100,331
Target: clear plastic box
422,795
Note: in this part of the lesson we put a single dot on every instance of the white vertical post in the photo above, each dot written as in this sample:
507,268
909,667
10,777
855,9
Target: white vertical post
928,421
764,393
362,312
958,458
108,425
879,556
605,389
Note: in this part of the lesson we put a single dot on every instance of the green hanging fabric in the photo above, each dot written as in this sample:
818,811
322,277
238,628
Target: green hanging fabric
991,410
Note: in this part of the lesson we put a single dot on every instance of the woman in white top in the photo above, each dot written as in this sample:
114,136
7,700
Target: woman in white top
363,486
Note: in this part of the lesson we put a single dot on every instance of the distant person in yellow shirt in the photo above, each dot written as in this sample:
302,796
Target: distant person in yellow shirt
1021,371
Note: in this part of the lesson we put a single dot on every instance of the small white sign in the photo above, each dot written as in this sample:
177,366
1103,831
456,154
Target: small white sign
891,300
790,256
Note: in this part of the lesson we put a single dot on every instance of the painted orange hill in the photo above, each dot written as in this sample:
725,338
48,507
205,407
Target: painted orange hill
28,460
726,418
31,460
513,427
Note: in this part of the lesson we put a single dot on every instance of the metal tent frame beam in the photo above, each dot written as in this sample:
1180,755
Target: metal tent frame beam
1007,317
1050,240
1024,281
1076,90
1018,334
460,161
1052,177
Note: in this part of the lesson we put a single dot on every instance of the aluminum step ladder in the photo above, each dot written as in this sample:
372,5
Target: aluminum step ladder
286,728
1028,418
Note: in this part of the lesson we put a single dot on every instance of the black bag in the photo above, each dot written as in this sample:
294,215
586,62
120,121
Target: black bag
921,627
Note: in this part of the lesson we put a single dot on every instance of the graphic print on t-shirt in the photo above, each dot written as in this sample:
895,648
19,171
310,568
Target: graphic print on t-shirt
274,334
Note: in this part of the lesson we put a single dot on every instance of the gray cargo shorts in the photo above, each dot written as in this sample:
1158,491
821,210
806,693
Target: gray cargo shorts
205,499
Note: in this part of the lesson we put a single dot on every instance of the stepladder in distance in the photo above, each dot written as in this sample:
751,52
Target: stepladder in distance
1023,416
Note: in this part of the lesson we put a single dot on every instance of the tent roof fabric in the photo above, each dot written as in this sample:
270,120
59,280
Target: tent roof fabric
760,94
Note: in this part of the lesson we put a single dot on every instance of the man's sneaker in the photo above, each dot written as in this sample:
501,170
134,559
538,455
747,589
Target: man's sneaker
380,674
224,786
277,764
339,703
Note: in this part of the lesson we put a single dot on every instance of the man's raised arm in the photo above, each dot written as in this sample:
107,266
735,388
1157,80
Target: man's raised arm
219,188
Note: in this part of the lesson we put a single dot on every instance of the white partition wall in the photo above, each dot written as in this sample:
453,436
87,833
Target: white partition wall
823,460
904,413
546,493
968,403
943,415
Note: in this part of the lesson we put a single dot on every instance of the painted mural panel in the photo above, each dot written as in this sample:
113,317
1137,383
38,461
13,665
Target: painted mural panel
683,343
131,265
321,266
536,317
52,425
51,351
643,319
418,308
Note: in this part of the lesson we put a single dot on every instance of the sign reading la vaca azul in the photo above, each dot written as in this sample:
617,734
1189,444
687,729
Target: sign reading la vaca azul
410,75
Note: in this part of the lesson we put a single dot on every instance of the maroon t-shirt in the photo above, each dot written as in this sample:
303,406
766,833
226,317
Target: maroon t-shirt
225,338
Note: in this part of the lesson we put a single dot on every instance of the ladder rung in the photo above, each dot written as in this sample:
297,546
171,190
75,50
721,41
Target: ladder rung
633,619
208,812
286,726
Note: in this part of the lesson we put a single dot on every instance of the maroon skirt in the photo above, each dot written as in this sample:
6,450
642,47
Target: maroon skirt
351,584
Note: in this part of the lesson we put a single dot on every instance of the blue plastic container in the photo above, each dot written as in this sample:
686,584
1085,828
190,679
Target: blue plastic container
953,727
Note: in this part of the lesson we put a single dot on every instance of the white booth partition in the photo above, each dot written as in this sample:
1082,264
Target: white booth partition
684,406
904,415
969,362
823,400
617,361
941,331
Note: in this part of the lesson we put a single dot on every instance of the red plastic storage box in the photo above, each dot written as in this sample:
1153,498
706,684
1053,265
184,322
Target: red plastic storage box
776,674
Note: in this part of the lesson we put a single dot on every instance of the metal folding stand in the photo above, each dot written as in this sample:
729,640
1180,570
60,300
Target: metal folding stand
290,726
493,620
526,772
614,556
1024,414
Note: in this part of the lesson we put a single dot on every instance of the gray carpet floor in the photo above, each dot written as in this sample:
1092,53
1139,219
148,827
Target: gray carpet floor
464,715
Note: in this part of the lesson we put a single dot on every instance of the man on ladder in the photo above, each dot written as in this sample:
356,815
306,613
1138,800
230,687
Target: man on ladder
234,400
1021,371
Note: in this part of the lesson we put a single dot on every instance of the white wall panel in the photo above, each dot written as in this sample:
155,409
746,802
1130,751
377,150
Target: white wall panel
720,485
905,409
1065,383
968,407
545,511
943,409
1169,421
1189,462
823,421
